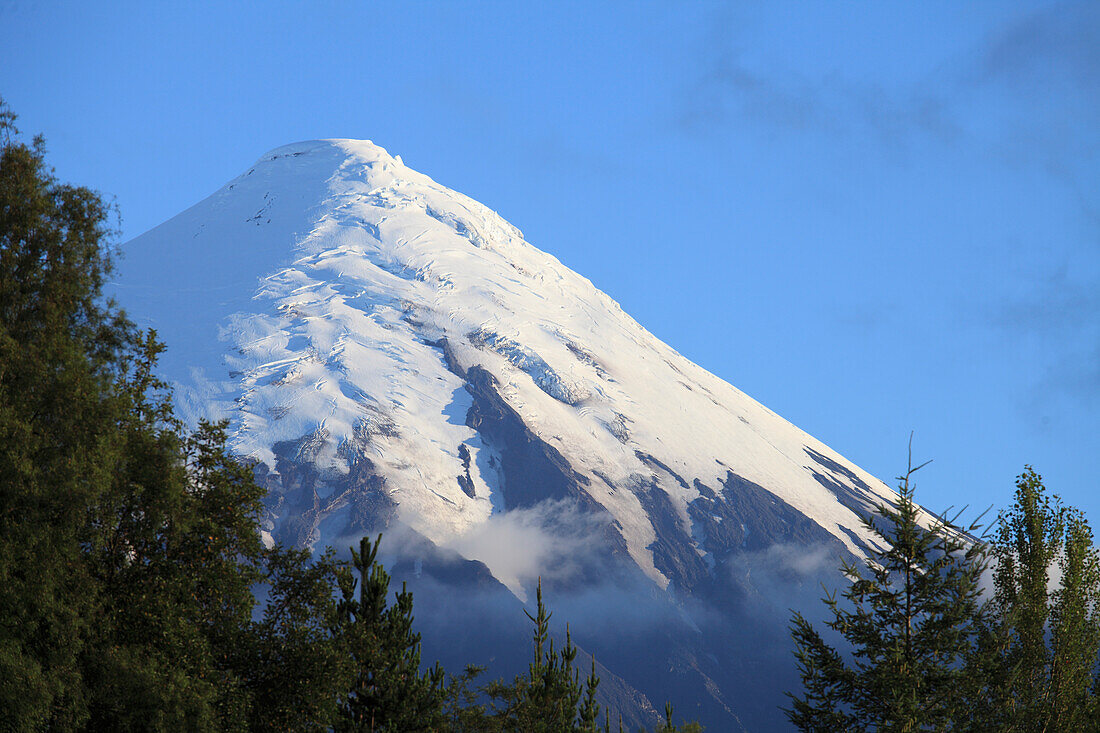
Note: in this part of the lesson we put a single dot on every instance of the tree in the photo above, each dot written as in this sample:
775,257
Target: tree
174,552
588,717
297,669
1075,630
61,358
669,727
912,619
546,699
128,547
388,692
1050,631
550,698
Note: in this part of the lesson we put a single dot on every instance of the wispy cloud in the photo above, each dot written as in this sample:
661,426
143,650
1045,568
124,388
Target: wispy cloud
1056,41
727,91
1021,100
1047,64
549,540
786,577
1057,303
1059,315
1019,73
1045,70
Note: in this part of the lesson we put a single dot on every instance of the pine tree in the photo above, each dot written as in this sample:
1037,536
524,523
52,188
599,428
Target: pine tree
589,714
546,699
912,619
389,693
464,708
669,727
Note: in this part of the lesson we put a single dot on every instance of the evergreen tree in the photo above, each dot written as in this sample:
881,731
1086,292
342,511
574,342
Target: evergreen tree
174,553
549,698
463,707
669,727
388,693
544,701
589,714
913,618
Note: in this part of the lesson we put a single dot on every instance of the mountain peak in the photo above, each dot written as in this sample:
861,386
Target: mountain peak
395,356
375,290
365,150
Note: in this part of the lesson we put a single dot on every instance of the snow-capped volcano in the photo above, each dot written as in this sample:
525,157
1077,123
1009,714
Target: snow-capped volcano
394,353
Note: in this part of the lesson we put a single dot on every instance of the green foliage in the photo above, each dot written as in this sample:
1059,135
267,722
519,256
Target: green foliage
927,654
1075,630
912,620
588,716
174,553
59,350
464,710
549,698
1051,637
669,727
388,693
128,549
295,669
546,698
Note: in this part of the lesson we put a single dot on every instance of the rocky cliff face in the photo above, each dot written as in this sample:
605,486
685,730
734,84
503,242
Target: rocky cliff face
396,357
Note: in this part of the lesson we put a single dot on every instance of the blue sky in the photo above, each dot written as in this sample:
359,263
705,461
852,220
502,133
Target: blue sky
875,218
